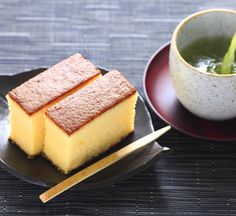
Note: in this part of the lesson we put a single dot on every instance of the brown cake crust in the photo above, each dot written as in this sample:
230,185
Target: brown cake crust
53,83
81,107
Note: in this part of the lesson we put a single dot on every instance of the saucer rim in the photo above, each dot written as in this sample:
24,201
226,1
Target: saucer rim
150,104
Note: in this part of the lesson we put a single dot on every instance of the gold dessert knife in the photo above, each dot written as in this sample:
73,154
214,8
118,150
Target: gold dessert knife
101,164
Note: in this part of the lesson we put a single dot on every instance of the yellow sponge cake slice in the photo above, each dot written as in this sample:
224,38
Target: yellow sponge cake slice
29,101
90,121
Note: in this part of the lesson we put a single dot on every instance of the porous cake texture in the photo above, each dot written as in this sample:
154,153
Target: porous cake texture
90,121
29,101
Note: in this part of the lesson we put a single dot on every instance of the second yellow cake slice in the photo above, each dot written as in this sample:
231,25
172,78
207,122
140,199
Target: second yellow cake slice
90,121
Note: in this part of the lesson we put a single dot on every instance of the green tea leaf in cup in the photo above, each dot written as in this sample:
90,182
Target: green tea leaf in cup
229,57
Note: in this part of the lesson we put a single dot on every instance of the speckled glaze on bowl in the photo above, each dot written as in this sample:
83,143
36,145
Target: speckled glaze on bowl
206,95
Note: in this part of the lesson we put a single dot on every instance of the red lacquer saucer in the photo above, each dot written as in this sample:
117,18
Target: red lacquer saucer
161,98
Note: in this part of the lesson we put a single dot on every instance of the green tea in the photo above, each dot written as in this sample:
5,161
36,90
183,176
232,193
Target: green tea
207,54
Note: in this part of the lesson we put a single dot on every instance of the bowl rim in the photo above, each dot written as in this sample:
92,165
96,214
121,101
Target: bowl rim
183,23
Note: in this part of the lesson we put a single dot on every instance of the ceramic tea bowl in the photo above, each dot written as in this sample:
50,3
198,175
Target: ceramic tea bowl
207,95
